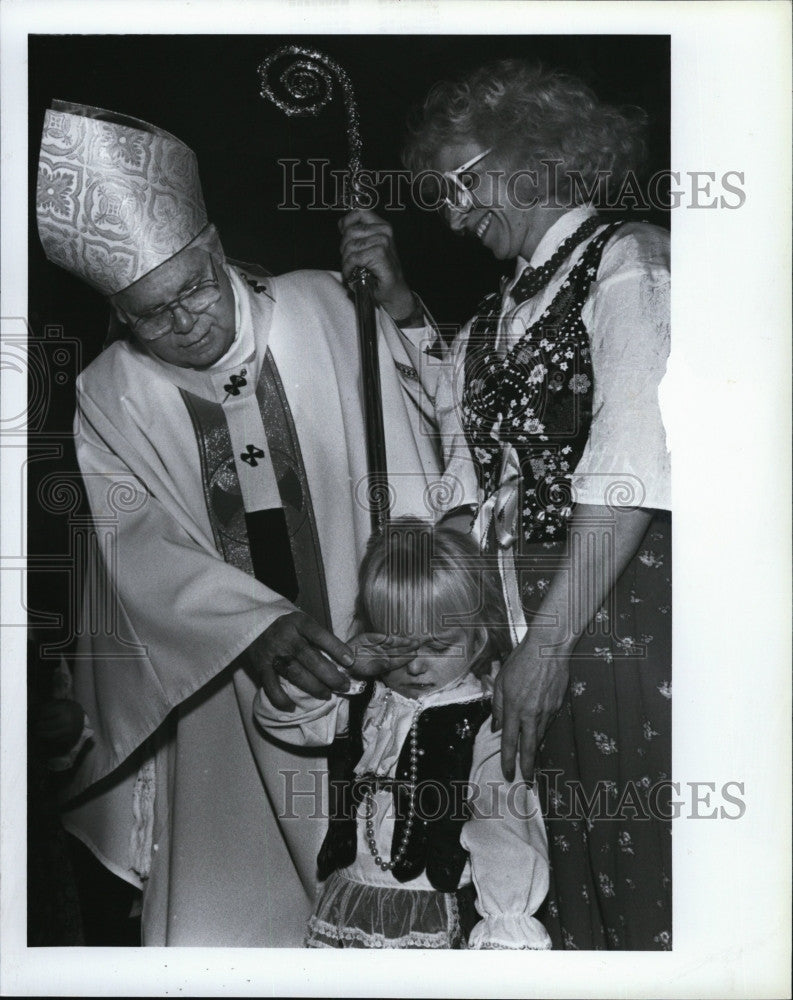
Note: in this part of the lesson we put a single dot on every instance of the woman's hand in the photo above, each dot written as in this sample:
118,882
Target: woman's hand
377,654
368,241
530,688
528,693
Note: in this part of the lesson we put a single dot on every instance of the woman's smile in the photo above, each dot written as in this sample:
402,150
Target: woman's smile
483,226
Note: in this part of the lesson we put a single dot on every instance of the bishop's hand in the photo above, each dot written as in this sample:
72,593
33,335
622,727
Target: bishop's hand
306,654
368,241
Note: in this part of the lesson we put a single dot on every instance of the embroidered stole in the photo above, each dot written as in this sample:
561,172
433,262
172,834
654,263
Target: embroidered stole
280,547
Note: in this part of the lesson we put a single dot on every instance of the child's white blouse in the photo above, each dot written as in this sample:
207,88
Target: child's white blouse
505,837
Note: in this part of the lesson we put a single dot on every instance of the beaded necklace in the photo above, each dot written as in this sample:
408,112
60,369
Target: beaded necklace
436,758
387,866
534,279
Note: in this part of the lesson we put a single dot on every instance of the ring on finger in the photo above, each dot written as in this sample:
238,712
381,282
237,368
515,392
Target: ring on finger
281,662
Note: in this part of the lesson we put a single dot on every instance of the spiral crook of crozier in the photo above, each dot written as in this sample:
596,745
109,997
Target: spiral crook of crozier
300,81
304,86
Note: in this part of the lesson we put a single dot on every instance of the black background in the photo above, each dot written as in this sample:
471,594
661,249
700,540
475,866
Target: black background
205,90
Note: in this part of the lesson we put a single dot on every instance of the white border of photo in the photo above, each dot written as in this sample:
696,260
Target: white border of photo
727,400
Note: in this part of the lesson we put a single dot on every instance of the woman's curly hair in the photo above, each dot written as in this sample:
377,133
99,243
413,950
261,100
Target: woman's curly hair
531,116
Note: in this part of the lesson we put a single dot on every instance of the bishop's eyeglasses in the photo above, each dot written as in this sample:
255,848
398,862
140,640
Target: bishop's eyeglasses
195,299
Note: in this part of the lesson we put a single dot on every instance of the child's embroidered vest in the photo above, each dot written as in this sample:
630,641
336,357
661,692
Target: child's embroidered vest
446,737
537,399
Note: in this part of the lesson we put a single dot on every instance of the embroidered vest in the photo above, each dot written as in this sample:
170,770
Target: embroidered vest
538,399
446,737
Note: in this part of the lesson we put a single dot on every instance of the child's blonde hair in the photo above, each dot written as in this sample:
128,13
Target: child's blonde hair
420,579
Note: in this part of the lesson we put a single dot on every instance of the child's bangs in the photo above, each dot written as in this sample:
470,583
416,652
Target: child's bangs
416,597
399,598
419,580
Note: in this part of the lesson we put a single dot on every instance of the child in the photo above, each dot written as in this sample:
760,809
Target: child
424,819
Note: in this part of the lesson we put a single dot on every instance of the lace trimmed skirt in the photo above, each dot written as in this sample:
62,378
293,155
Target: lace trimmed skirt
352,914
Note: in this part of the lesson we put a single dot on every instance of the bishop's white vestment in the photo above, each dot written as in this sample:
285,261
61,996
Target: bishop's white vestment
179,792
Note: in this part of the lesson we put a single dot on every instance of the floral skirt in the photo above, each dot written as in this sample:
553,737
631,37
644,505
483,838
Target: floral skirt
353,914
605,767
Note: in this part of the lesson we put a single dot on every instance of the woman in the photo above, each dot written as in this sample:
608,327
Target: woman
549,414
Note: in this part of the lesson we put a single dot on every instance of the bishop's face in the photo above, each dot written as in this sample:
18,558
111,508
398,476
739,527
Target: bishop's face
183,311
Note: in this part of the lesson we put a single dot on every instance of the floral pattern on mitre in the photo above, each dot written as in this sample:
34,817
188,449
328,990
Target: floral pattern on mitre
178,170
56,188
169,226
137,191
113,208
63,134
108,265
124,147
65,252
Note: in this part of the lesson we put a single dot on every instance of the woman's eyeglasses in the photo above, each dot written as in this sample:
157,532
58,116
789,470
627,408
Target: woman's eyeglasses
194,300
457,185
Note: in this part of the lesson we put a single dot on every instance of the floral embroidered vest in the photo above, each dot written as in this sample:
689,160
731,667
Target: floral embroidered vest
446,735
537,399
